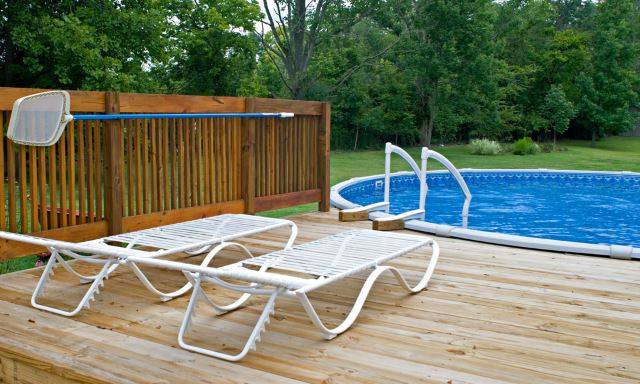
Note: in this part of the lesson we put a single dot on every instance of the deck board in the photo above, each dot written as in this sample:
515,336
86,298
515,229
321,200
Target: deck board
491,314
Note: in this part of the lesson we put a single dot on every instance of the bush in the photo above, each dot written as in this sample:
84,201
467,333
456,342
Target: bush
525,146
485,147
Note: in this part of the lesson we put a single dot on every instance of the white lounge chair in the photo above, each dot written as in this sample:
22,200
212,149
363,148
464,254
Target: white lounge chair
193,237
326,260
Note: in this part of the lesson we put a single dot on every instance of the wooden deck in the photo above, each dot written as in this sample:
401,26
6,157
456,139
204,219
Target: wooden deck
490,315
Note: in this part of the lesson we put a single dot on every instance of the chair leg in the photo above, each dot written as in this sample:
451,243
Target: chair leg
330,333
84,279
292,236
251,342
93,290
198,251
164,296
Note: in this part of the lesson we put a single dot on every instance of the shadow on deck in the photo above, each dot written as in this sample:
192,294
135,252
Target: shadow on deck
490,315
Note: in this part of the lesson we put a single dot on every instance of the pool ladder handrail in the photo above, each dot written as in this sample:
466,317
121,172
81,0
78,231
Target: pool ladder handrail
456,175
397,221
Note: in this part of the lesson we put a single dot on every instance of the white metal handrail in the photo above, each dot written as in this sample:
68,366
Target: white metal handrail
428,153
421,173
384,205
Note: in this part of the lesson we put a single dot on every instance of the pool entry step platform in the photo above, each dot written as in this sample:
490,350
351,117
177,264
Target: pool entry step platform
397,221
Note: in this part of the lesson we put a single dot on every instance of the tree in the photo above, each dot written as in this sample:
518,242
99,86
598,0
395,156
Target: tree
557,110
213,49
614,83
524,35
447,54
295,28
88,45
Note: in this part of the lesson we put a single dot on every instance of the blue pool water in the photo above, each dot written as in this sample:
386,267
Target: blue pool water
581,207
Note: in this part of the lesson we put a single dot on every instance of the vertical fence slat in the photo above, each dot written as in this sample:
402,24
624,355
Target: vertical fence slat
90,172
71,164
159,165
248,158
291,164
99,131
53,188
188,159
237,150
173,161
281,156
181,189
324,143
217,159
145,167
193,160
200,164
213,170
138,157
154,166
33,181
172,164
11,176
129,166
310,154
206,160
114,165
24,210
62,171
42,188
82,181
3,212
166,173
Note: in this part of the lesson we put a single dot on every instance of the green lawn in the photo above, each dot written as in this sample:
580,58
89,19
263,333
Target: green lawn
613,154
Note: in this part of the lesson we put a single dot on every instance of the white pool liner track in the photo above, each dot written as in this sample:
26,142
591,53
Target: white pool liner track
613,250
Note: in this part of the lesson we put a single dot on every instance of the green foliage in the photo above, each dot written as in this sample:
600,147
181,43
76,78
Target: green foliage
525,146
405,71
84,45
485,147
450,66
557,110
616,84
211,55
129,45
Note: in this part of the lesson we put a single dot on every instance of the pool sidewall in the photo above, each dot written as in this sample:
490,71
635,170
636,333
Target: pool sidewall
615,251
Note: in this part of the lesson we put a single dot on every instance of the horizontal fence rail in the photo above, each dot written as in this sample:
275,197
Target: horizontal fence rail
106,177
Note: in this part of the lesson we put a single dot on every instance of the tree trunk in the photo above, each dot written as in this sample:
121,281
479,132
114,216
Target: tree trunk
426,128
554,139
426,132
355,142
593,138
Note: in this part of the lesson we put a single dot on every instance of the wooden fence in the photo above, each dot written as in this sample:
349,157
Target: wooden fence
106,177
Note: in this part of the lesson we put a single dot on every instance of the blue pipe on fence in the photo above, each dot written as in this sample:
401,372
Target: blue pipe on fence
118,116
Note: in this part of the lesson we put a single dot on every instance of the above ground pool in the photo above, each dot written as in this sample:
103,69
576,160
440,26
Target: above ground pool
572,211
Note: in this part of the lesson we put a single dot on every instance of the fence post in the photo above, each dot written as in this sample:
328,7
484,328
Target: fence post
114,189
324,149
248,158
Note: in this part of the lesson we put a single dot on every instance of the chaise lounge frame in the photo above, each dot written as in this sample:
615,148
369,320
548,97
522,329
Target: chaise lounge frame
192,237
326,260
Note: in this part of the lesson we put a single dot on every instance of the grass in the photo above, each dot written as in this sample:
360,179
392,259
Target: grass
611,154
